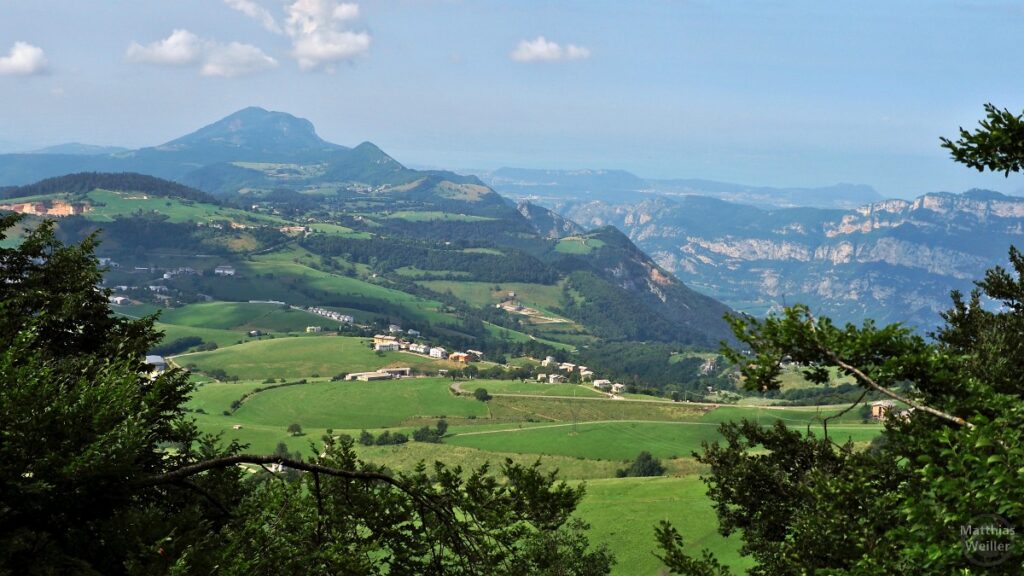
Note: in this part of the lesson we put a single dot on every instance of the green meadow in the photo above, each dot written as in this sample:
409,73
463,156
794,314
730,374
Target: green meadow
243,316
426,216
578,245
572,429
298,357
108,204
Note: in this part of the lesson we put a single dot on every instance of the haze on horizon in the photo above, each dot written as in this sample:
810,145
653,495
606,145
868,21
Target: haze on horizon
780,94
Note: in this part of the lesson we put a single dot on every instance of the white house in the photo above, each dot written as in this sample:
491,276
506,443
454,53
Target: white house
394,328
603,384
548,361
314,329
556,379
119,300
224,271
388,347
618,388
586,374
438,353
419,348
158,363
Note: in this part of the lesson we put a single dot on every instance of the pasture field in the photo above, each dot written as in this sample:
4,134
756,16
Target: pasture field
107,204
243,316
578,245
584,409
427,216
355,405
301,357
622,513
338,230
515,336
484,293
282,264
621,440
532,388
221,337
607,435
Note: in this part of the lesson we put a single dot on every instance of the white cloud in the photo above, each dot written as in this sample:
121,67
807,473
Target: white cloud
183,48
235,59
23,59
256,12
318,37
541,49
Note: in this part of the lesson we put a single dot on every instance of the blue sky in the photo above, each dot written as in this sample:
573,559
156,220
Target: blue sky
766,93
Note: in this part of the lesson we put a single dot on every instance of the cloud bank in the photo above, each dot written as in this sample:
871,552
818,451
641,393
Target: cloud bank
23,59
541,49
256,12
319,35
185,49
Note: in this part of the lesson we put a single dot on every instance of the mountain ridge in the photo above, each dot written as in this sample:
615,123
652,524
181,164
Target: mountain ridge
892,260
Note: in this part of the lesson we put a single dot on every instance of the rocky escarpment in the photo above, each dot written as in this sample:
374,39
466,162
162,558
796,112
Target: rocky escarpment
894,260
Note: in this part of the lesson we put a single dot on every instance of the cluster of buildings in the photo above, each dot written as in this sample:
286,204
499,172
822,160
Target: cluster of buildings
331,314
388,343
585,375
58,208
183,271
382,374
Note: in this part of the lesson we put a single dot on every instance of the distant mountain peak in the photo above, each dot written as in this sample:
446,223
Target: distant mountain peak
255,129
79,149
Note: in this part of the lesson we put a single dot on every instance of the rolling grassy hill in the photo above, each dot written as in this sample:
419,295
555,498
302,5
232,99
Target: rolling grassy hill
302,357
622,512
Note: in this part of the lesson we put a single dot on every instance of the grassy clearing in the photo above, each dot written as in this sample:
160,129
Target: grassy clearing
618,441
623,513
532,388
513,409
489,293
514,336
602,438
341,405
242,316
107,204
578,245
283,264
428,216
221,337
304,357
338,230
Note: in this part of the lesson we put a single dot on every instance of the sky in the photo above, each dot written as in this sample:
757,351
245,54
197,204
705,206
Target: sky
769,93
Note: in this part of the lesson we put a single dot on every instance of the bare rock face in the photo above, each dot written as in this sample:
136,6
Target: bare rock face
893,260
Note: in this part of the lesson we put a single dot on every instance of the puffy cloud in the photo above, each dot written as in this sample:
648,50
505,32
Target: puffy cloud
319,39
235,59
256,12
23,59
183,48
541,49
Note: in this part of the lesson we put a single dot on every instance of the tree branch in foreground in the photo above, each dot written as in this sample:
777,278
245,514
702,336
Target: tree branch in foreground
199,467
870,383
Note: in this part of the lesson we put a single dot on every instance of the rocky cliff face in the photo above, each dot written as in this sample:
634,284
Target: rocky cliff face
894,260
